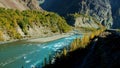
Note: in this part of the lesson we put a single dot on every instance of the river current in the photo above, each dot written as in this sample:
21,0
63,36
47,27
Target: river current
23,54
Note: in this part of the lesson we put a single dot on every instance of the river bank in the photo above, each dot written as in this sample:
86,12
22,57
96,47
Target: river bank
40,39
50,38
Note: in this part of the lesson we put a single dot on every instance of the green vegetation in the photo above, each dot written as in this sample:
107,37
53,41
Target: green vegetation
11,19
95,52
86,39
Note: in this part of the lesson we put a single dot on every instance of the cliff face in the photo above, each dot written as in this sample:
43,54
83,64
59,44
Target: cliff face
115,13
86,22
20,4
99,9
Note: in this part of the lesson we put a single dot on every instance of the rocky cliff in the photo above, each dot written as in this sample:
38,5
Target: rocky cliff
115,13
105,11
99,9
86,22
20,4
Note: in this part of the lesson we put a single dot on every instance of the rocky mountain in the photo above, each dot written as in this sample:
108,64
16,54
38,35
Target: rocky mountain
20,4
103,10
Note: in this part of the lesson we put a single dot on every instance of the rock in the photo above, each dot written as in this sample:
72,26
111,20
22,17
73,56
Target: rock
85,22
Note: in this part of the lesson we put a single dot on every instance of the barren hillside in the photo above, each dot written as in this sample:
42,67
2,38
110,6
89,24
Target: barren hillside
20,4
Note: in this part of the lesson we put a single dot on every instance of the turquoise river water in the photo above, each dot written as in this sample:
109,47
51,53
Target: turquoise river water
22,53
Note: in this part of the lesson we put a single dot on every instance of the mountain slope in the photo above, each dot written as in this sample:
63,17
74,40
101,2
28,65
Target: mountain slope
103,10
20,4
115,13
32,22
15,24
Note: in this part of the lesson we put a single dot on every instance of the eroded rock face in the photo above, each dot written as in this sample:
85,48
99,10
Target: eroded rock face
20,4
99,9
32,4
86,22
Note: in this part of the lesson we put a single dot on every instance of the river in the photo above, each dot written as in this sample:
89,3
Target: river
22,53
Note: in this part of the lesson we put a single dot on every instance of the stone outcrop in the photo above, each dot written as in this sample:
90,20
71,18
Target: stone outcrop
86,22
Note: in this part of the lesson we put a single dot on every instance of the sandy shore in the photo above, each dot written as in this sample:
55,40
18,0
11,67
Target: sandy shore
39,40
51,38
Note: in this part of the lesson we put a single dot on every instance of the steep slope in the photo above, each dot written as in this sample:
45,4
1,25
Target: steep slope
116,13
99,9
20,4
86,22
32,22
15,24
